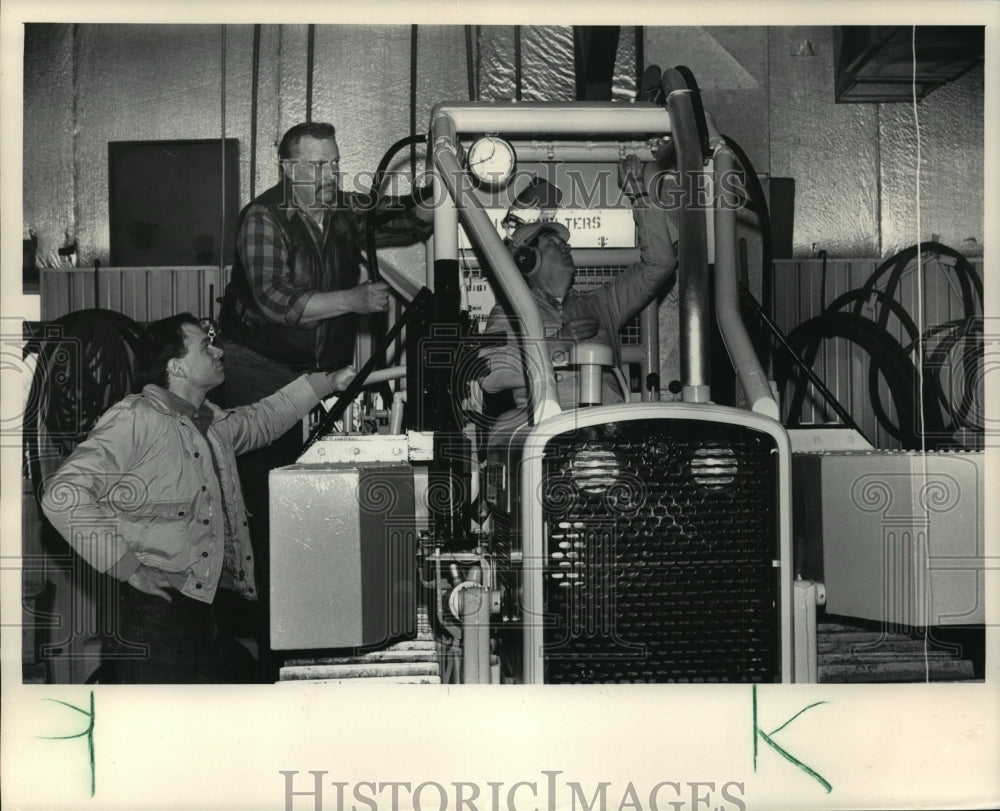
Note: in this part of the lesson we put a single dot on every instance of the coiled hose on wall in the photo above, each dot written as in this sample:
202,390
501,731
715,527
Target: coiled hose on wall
940,415
85,364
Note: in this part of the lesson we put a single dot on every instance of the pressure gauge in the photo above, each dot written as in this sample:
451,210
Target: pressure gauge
491,160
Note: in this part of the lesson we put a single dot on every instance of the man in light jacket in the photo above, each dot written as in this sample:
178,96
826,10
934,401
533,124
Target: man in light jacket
151,497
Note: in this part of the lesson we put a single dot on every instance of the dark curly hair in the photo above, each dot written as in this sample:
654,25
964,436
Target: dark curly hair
160,342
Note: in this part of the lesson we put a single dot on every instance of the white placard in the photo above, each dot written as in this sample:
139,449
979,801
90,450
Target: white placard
588,227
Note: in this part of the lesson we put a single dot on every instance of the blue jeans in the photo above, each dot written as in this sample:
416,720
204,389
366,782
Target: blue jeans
176,642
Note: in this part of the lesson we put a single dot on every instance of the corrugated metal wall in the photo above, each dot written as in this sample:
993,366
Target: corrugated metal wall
143,294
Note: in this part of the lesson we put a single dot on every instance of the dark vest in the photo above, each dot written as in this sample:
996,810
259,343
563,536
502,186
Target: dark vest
323,345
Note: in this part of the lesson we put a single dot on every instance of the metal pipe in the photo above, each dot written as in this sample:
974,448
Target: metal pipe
631,353
649,328
475,611
734,335
807,594
530,117
584,151
582,258
384,375
541,376
692,270
590,358
445,227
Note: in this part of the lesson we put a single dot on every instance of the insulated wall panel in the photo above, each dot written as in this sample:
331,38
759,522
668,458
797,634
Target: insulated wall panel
949,125
49,156
831,150
145,82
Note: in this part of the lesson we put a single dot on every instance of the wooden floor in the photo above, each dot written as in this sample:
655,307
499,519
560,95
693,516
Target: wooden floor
854,653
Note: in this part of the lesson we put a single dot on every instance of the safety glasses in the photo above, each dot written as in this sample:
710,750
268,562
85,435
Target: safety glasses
211,327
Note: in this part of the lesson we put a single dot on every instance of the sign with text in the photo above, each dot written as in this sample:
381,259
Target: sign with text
588,227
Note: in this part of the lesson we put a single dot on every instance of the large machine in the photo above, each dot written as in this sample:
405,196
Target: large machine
648,541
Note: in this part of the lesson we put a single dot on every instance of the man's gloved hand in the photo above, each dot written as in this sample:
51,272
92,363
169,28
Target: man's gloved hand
630,177
580,329
370,297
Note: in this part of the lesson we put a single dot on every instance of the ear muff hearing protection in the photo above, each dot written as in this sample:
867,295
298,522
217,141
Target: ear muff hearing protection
527,259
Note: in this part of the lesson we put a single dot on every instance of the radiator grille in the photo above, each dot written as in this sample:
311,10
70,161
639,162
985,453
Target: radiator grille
660,537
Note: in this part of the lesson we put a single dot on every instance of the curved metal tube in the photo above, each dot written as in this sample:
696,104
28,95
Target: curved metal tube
692,260
541,376
734,335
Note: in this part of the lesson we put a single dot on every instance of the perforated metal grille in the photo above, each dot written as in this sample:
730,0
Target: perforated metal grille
660,537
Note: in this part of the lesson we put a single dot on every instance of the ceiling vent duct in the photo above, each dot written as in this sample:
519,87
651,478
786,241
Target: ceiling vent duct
875,63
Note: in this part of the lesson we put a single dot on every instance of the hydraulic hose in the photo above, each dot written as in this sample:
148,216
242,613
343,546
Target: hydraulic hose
82,371
888,360
376,193
972,301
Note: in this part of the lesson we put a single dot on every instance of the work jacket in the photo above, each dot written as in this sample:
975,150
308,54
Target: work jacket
142,489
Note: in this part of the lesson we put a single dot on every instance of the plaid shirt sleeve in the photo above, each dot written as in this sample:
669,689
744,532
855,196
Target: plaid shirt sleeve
264,256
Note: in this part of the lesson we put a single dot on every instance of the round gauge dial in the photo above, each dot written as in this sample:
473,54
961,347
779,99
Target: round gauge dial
491,160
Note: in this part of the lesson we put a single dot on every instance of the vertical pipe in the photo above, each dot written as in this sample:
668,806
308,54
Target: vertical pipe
77,163
734,334
541,376
470,63
807,595
413,101
517,62
692,267
222,144
475,629
649,328
447,472
445,239
640,59
254,94
310,62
